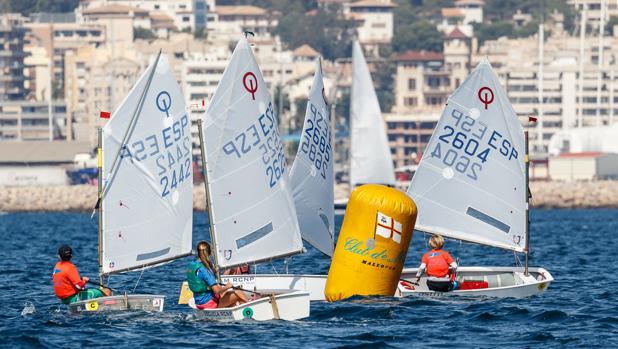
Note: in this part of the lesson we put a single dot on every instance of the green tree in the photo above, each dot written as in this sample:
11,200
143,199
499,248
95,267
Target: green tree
26,7
418,35
383,81
301,107
609,27
284,106
143,33
326,31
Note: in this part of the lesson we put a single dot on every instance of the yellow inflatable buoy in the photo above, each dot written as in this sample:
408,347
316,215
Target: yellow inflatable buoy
373,243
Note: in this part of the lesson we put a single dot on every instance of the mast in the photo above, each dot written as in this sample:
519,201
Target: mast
100,201
526,192
600,62
129,131
582,38
539,131
213,239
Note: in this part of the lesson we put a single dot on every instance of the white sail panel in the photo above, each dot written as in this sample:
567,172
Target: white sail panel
371,160
252,207
147,172
311,175
470,183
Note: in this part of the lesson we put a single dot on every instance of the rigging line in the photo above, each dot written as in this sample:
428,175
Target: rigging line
131,127
273,266
138,280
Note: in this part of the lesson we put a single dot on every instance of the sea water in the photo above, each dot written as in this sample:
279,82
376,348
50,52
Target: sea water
580,309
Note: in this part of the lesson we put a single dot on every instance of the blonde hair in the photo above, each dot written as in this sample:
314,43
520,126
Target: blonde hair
436,242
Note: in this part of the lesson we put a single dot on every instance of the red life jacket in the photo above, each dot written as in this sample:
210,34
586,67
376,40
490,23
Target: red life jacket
437,262
65,279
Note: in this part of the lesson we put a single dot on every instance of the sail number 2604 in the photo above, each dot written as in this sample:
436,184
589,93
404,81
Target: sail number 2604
467,144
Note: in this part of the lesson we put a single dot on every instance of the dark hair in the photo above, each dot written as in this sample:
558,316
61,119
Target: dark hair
65,252
203,253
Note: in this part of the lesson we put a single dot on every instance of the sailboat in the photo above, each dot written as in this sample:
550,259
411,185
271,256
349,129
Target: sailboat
311,178
472,185
370,155
145,203
250,206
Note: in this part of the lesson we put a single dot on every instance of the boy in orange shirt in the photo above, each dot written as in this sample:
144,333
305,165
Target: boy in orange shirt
68,286
438,264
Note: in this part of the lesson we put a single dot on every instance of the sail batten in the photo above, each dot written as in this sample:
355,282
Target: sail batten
148,175
252,209
470,183
371,160
311,175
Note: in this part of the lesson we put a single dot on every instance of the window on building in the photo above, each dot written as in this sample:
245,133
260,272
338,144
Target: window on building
410,101
433,100
186,18
411,84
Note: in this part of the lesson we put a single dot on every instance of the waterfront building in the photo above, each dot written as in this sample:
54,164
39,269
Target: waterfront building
30,121
587,166
12,54
38,163
409,133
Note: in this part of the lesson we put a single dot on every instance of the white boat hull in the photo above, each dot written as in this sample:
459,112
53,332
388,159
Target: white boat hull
145,302
499,287
503,282
314,284
287,305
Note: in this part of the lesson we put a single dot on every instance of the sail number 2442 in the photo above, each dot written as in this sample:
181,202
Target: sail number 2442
467,144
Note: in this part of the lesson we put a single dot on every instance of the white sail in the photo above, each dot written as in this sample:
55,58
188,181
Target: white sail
148,181
470,183
371,160
251,200
311,175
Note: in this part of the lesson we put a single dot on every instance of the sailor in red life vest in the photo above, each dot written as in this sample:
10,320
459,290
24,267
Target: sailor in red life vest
68,285
438,264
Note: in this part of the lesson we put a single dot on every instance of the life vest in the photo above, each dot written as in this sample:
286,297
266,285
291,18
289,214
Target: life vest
437,262
197,285
65,277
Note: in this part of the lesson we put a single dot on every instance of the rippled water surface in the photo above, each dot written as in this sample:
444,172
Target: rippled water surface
579,309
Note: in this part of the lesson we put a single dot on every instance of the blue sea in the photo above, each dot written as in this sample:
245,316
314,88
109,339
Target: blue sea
580,309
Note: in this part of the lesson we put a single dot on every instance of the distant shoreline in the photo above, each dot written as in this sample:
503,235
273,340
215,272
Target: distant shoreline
82,198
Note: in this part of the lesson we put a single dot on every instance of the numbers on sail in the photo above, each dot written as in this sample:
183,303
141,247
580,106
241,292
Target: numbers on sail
169,149
465,144
263,137
316,140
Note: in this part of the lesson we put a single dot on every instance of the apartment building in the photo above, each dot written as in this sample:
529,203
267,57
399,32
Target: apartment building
30,121
374,22
95,81
192,14
595,10
576,91
232,21
58,39
12,54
